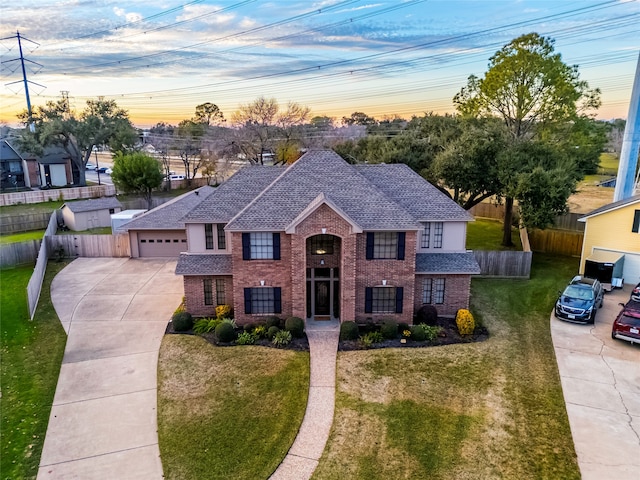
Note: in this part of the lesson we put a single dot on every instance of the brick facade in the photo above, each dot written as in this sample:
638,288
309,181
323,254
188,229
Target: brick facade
194,294
397,273
456,293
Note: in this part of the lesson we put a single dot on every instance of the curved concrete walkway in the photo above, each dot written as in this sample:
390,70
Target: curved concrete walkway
103,422
302,458
601,386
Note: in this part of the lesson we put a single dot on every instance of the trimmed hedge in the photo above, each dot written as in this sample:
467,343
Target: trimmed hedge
389,329
427,314
295,325
225,332
182,321
349,331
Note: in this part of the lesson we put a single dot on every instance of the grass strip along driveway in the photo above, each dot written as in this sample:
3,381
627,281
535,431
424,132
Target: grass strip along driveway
493,409
31,356
227,412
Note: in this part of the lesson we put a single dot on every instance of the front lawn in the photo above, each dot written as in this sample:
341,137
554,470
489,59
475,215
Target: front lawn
227,412
31,356
493,409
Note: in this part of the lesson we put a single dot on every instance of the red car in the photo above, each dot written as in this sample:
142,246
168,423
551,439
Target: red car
635,293
627,325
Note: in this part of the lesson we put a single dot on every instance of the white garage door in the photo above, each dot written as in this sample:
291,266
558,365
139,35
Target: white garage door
162,244
631,270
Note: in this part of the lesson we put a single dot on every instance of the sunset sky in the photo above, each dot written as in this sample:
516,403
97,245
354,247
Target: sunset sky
160,58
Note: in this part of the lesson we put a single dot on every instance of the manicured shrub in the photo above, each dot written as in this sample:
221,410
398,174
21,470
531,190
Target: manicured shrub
389,329
271,332
230,321
225,332
427,314
281,338
464,321
260,331
368,339
403,326
349,331
205,325
223,311
431,332
182,321
295,325
246,338
249,327
418,334
273,322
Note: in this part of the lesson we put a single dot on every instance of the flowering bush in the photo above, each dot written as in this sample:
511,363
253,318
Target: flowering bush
260,331
406,333
465,322
223,311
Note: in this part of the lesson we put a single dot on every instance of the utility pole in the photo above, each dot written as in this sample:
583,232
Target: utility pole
24,73
625,182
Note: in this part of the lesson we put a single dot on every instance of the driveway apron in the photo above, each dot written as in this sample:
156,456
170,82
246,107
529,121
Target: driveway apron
601,385
103,421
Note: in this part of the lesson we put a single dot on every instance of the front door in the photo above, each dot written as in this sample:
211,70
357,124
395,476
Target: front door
323,297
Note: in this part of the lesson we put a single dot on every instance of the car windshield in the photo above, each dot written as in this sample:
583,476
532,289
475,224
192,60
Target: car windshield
581,293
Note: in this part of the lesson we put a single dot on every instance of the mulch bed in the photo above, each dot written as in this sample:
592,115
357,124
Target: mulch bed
448,336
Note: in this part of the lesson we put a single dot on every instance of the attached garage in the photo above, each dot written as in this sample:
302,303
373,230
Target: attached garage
161,232
161,243
631,267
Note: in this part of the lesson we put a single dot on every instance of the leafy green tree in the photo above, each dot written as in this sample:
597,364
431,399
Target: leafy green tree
359,118
102,122
137,173
533,92
209,114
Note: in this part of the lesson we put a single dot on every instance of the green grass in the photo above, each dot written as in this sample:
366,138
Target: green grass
227,412
26,208
486,234
608,164
31,356
90,231
493,409
21,237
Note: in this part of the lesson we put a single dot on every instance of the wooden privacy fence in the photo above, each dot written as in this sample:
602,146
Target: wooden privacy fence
561,242
91,245
568,221
23,223
20,253
507,263
35,282
60,194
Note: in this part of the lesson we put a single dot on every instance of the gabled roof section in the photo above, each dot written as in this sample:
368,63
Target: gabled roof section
169,215
313,206
420,198
8,153
93,204
320,172
234,194
610,207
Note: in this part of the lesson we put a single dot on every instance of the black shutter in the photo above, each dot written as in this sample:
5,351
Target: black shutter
636,222
370,242
246,246
276,246
399,298
368,300
401,241
247,300
277,300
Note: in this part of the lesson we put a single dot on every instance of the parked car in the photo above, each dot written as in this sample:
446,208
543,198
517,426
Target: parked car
626,326
635,293
580,300
90,166
108,171
101,170
175,177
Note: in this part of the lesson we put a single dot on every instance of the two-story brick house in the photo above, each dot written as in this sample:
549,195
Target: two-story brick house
322,239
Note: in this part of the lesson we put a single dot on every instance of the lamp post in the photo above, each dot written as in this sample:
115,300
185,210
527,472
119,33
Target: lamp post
97,165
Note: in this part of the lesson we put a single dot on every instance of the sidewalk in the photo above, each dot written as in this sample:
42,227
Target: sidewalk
302,458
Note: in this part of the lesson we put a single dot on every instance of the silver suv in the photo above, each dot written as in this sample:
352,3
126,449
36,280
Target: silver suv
580,300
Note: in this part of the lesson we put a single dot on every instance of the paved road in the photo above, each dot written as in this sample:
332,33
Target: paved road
103,422
601,385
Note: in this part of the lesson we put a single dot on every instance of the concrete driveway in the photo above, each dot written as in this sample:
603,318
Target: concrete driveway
103,422
601,385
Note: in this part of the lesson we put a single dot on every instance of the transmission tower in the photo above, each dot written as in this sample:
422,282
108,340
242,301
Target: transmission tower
24,72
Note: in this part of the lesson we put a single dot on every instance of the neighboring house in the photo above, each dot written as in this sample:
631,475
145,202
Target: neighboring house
55,168
615,228
85,214
322,239
16,170
161,232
